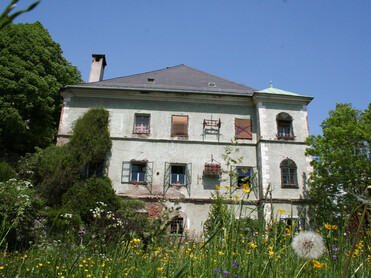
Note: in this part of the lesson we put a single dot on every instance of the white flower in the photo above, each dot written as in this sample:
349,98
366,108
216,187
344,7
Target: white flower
308,245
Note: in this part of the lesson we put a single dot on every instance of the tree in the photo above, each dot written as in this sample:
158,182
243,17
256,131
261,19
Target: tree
341,161
32,70
57,168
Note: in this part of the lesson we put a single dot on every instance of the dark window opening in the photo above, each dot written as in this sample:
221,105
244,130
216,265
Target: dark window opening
288,173
284,126
93,170
177,226
178,174
138,172
243,176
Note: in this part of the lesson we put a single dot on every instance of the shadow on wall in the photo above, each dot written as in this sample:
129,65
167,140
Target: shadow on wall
210,182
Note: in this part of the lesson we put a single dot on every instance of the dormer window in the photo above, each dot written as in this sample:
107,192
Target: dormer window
284,126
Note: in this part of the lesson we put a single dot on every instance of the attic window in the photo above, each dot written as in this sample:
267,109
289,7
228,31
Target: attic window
212,84
151,80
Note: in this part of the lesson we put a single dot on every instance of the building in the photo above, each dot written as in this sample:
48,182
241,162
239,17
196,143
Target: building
172,128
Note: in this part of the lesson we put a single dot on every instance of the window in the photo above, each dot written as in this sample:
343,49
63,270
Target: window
141,124
244,175
241,175
177,225
179,126
138,172
243,129
178,175
93,170
288,173
284,126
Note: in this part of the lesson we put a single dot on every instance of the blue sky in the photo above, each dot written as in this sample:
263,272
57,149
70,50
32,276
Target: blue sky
320,48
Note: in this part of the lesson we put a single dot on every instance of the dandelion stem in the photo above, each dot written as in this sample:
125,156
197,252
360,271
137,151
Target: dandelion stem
301,269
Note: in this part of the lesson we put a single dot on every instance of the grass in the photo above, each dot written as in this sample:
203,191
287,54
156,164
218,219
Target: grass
227,254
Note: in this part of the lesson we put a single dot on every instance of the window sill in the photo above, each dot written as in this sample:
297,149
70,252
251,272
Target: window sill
293,186
138,182
177,184
286,137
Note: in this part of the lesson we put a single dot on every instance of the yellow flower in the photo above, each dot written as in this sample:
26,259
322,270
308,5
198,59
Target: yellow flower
247,190
227,187
236,197
280,211
217,187
271,253
159,269
317,264
334,227
328,227
252,245
245,186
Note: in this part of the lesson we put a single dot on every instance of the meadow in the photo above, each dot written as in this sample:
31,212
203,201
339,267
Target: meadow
266,251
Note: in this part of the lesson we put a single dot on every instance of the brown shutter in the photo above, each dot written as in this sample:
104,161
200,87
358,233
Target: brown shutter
243,129
179,125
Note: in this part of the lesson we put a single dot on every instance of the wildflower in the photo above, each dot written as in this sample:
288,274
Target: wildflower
159,269
271,253
328,227
317,264
247,190
227,187
217,187
280,211
216,271
252,245
334,227
237,197
234,264
308,245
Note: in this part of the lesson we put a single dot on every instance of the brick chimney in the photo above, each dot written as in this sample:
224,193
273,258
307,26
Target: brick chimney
97,67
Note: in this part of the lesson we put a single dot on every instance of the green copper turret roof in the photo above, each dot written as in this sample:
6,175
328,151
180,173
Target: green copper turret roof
276,91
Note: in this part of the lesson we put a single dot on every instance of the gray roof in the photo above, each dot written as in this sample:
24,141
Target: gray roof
175,79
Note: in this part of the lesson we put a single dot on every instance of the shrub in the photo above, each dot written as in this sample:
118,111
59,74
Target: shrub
6,172
85,194
19,206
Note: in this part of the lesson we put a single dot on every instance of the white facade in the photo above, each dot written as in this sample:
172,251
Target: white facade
155,164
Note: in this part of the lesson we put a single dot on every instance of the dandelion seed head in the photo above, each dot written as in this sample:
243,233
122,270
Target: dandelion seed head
308,245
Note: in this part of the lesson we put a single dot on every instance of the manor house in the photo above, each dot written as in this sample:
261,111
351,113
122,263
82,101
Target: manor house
179,134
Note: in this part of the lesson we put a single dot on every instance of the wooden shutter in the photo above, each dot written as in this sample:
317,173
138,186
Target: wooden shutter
125,172
243,128
179,125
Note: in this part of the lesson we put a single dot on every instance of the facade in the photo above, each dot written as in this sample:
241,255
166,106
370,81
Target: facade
175,135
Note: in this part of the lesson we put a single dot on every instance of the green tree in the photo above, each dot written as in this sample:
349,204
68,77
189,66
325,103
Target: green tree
341,161
57,168
32,70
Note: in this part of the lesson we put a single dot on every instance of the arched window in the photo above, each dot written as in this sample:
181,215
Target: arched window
288,173
284,126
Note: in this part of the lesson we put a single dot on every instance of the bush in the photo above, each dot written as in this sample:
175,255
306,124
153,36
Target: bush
6,172
19,206
62,221
56,171
84,196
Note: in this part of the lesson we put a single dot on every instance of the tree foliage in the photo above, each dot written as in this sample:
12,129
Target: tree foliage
341,160
56,169
32,70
